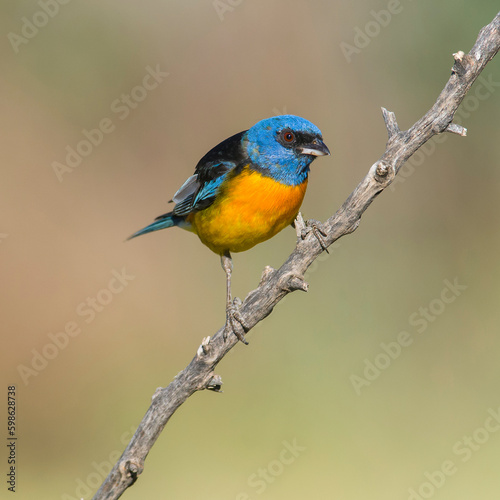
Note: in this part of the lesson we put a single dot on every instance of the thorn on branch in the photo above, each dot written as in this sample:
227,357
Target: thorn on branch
456,129
266,274
390,123
299,226
295,282
157,393
204,348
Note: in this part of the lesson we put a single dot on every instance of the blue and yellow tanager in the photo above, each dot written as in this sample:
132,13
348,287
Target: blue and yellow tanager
245,190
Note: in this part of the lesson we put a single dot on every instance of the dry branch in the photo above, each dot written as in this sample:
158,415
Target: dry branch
275,284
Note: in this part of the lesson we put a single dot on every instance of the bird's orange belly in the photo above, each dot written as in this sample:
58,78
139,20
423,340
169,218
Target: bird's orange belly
250,208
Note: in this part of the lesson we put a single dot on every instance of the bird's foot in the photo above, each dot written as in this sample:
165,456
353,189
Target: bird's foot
318,230
235,322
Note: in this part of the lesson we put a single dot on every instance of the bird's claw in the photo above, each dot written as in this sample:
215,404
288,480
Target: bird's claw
318,230
235,322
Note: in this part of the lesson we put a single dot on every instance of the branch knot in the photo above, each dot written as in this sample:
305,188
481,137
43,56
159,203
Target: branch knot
382,169
293,282
383,172
131,468
462,63
214,384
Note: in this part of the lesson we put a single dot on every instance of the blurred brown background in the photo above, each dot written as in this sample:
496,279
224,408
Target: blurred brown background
231,63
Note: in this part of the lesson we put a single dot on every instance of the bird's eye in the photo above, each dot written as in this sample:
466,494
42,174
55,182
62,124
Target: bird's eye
288,136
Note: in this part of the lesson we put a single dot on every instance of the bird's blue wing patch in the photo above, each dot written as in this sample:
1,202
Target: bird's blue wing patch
206,191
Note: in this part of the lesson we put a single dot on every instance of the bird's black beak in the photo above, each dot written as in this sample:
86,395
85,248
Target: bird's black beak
315,148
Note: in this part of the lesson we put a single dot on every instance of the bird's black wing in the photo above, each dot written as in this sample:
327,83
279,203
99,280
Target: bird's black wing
217,161
199,191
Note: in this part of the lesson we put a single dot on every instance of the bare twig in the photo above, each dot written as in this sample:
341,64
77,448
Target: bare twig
275,284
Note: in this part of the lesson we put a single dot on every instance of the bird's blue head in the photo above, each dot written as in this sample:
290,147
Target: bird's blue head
283,147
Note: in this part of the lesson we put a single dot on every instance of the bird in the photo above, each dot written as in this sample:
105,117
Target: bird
244,191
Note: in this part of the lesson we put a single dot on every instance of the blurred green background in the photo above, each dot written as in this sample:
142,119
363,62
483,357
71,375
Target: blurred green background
231,63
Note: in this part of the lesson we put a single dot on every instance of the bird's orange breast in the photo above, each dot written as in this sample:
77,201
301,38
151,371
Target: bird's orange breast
250,208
